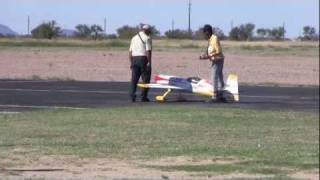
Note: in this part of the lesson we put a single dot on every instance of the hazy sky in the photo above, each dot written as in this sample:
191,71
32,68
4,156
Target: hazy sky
221,13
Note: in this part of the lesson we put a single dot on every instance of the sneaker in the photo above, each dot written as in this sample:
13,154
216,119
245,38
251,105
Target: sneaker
145,100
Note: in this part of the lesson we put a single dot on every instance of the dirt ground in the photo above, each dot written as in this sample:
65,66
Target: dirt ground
113,65
71,167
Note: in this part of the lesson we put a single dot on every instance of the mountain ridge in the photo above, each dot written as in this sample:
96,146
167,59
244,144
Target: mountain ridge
7,31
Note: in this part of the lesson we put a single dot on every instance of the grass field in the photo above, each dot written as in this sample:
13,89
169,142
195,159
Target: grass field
264,142
261,48
276,143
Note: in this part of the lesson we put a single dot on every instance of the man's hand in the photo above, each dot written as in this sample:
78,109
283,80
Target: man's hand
212,59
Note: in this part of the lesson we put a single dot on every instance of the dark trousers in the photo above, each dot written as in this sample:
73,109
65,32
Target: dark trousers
139,69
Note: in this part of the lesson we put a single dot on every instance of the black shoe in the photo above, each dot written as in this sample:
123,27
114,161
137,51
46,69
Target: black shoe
133,99
223,100
145,100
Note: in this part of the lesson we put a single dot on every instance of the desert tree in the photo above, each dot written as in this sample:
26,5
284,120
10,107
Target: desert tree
234,34
155,32
243,32
277,33
246,31
177,34
309,33
262,33
83,31
96,30
127,32
46,30
217,31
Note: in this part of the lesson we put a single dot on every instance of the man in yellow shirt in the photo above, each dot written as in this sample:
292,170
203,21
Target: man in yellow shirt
215,55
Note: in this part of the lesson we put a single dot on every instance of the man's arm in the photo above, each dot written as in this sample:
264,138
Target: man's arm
149,56
130,55
130,59
149,50
213,50
217,47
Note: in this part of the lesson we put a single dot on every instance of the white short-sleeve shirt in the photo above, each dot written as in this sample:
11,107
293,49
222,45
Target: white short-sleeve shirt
139,47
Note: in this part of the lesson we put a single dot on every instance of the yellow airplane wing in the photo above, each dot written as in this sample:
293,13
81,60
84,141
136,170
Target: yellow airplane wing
158,86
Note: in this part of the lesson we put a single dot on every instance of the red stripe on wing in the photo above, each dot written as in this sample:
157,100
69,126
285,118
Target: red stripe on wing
159,78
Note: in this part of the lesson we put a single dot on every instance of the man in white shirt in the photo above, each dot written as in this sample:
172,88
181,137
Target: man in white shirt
140,53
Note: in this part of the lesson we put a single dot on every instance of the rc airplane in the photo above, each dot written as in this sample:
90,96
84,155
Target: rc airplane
193,85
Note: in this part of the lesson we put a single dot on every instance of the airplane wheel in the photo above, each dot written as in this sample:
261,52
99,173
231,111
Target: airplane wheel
160,98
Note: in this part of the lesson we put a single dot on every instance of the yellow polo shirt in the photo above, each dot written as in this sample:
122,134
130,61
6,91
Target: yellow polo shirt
214,48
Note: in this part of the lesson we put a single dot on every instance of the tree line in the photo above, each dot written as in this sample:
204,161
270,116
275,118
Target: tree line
243,32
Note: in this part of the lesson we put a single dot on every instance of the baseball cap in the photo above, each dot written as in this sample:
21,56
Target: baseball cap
146,26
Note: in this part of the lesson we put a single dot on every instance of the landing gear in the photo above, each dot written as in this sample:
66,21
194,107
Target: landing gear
163,97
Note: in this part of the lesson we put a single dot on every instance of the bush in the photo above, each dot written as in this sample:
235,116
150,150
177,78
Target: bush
111,36
178,34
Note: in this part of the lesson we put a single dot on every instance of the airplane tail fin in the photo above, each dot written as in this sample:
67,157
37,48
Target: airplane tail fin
232,87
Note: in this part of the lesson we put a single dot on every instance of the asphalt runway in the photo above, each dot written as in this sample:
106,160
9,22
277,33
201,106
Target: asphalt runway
23,95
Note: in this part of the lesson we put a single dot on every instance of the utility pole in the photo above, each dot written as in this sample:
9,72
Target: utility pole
105,26
284,30
189,16
172,25
28,26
